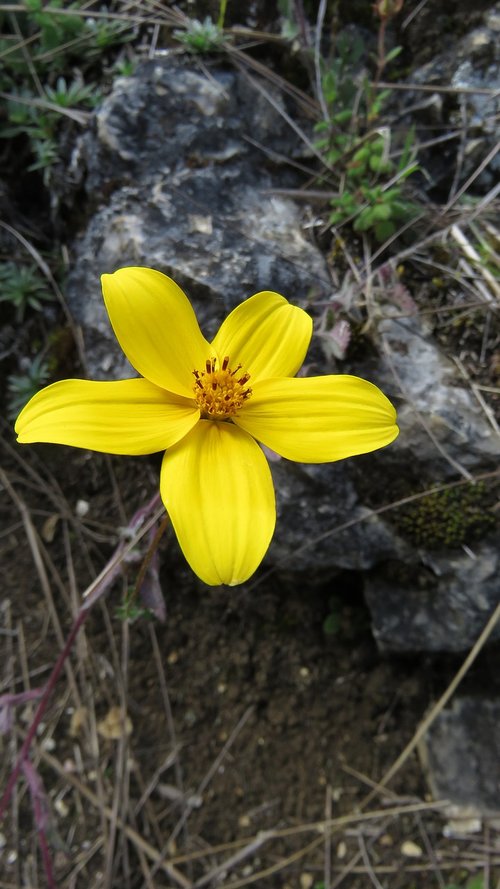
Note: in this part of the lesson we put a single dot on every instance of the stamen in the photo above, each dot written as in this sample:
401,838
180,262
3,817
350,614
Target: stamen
219,394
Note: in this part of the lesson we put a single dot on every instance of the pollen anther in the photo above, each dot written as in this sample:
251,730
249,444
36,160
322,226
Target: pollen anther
218,393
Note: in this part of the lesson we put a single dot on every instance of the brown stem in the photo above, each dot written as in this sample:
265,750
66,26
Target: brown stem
380,51
149,555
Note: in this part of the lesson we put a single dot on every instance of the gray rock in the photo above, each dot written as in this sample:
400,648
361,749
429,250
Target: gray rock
460,755
181,189
440,603
436,402
314,499
472,63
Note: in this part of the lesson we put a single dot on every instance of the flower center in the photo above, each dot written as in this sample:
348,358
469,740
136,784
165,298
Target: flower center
220,393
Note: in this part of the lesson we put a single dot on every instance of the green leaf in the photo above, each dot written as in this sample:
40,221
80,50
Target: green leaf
403,209
362,154
411,169
384,230
347,202
377,146
393,54
379,165
364,220
331,625
382,212
392,193
409,149
342,117
476,882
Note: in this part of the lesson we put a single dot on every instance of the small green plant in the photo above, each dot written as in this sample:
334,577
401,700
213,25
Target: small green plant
46,154
289,26
68,95
124,67
205,36
371,194
371,205
351,104
102,34
476,882
332,622
21,387
55,42
449,518
23,287
54,30
130,610
201,37
41,124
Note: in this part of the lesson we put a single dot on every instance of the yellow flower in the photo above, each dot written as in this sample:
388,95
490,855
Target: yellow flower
207,405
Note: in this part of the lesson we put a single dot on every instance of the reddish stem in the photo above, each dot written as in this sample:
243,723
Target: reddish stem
42,706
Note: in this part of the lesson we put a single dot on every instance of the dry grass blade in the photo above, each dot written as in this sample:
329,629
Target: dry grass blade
80,117
277,868
168,17
243,61
230,863
42,574
317,58
472,254
335,825
438,88
281,111
482,166
135,838
205,782
168,713
489,413
368,865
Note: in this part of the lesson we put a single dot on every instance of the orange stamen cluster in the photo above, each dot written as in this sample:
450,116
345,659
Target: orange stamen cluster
220,393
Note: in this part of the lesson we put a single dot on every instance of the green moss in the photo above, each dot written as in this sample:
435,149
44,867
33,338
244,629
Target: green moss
449,518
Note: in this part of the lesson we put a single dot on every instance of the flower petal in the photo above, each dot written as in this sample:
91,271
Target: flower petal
319,419
125,417
217,488
156,327
266,335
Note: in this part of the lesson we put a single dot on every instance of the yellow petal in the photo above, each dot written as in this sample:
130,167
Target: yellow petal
126,417
218,490
156,327
266,335
319,419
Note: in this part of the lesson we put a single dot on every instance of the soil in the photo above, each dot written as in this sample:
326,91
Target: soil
276,723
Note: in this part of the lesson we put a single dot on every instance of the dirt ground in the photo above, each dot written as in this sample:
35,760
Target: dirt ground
233,729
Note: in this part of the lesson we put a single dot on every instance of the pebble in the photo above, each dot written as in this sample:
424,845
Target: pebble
410,849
